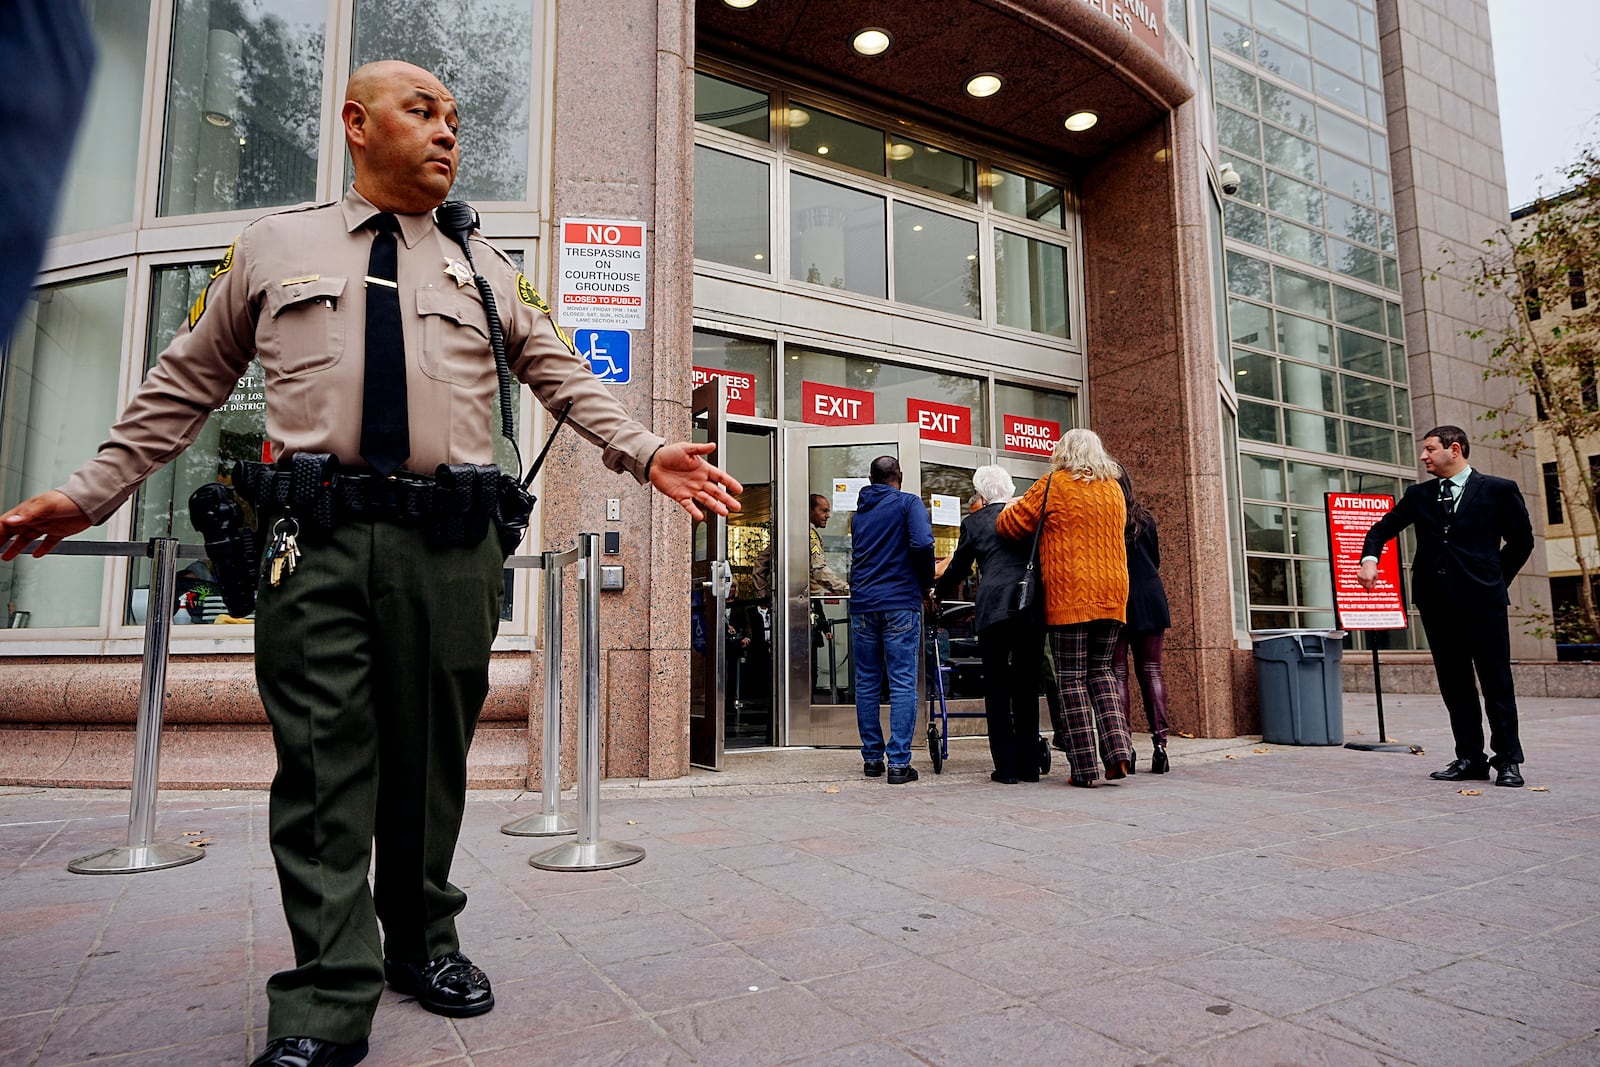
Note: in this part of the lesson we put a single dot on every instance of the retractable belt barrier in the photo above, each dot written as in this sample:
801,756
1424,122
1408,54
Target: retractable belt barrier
588,853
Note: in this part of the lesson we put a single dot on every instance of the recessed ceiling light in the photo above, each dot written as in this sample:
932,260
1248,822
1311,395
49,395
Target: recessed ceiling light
990,178
798,117
822,149
917,228
760,256
981,85
740,3
1079,121
901,150
972,255
871,41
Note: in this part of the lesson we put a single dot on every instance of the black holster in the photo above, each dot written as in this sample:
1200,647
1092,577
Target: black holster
230,544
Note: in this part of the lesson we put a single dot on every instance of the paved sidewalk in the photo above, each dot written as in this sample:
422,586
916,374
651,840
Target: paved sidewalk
1259,905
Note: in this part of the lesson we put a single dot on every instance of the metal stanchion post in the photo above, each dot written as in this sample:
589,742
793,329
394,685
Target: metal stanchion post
551,821
588,852
141,853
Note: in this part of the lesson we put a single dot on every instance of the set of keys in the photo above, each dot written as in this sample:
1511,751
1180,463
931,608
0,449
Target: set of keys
283,552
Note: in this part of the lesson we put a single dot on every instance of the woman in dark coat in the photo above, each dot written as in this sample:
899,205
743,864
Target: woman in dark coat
1011,646
1148,621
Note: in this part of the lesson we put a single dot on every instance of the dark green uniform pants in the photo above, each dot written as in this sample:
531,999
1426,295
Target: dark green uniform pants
373,662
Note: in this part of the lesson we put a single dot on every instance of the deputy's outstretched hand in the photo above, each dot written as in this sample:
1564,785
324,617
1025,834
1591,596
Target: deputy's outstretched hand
681,473
51,515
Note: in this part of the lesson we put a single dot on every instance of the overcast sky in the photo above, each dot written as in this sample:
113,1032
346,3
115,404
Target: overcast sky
1547,64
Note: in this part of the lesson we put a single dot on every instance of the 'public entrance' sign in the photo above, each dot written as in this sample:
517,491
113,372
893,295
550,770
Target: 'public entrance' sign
601,275
1023,433
1350,516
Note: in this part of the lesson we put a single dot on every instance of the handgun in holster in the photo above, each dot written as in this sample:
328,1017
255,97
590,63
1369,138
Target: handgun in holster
214,510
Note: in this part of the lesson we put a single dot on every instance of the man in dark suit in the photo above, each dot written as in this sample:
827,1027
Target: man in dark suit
1473,535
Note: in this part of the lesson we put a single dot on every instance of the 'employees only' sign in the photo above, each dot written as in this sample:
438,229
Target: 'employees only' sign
601,275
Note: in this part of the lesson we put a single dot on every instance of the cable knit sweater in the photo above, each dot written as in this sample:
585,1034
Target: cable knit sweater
1082,556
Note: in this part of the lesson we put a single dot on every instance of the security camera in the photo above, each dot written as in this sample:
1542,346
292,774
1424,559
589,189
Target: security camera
1229,179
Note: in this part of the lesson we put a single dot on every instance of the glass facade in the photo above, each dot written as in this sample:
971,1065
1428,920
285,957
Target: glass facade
1318,356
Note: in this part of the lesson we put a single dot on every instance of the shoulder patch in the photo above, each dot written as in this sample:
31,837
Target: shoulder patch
227,262
198,308
529,296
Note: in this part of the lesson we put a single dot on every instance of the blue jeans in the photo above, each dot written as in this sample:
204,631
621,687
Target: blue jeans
885,643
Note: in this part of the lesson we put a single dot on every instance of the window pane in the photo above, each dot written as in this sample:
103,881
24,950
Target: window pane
838,140
1234,86
58,386
1358,222
1397,321
1288,109
1258,422
749,359
1313,581
836,237
1397,363
1346,176
1366,399
1340,14
731,217
1250,190
1335,50
1293,154
1356,262
1059,408
1304,339
1344,90
1262,477
1308,481
1370,442
1269,580
1297,242
936,261
1363,353
1402,407
483,52
892,387
732,107
244,101
1244,224
1026,198
933,168
233,432
1265,529
1255,375
1341,133
1358,309
1276,18
1283,60
1030,283
1251,324
1301,292
1308,387
1289,197
1248,277
98,190
1308,532
1239,132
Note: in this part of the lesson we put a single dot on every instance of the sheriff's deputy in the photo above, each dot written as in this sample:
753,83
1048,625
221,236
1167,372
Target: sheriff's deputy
372,651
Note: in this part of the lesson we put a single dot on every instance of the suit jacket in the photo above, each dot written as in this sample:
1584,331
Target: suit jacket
1468,558
1001,563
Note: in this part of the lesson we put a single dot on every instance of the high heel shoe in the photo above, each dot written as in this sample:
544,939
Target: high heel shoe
1158,760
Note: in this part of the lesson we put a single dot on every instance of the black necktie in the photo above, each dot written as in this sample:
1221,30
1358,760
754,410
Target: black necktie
1447,498
385,426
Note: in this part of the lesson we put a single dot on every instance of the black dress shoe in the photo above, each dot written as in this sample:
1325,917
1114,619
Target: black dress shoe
1003,779
450,985
1509,775
310,1052
902,775
872,768
1462,770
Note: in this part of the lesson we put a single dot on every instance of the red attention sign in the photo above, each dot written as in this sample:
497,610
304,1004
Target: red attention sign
940,422
1350,516
834,405
1037,437
741,388
1142,18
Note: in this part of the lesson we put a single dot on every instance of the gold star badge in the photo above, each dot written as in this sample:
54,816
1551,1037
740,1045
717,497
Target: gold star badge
458,270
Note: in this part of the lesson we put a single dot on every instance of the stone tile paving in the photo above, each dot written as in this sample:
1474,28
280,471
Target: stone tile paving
1259,905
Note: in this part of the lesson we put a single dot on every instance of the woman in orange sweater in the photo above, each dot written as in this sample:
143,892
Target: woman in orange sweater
1084,564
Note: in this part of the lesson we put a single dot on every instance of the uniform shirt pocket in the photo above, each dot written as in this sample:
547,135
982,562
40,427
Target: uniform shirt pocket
455,336
309,324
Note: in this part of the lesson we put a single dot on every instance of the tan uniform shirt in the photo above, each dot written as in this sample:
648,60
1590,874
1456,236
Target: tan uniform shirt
291,293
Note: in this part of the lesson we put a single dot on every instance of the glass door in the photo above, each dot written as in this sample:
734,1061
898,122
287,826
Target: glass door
710,582
826,467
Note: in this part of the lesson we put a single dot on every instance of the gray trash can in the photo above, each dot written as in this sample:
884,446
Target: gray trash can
1302,696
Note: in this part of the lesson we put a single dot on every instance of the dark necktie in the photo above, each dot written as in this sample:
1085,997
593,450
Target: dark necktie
385,426
1447,499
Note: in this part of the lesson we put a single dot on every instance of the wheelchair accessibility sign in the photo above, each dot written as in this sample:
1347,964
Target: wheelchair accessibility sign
609,352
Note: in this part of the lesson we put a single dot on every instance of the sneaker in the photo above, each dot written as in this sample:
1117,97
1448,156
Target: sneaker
902,775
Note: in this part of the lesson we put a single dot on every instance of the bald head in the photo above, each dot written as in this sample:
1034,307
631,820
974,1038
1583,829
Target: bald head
400,124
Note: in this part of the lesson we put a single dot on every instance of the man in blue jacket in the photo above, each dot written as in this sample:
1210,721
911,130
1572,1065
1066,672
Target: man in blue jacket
891,572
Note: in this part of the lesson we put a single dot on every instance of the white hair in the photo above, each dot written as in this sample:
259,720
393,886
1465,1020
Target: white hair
993,484
1080,454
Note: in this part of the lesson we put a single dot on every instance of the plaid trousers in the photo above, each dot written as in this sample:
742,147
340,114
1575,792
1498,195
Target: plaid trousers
1090,695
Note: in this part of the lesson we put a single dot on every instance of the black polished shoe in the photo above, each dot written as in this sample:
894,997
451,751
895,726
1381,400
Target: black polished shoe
1158,761
872,768
1510,776
902,775
310,1052
996,776
450,985
1462,770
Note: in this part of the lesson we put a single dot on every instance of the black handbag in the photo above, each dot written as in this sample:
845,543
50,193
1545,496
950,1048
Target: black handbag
1029,596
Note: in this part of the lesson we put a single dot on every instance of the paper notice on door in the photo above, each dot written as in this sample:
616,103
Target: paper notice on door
845,492
946,510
